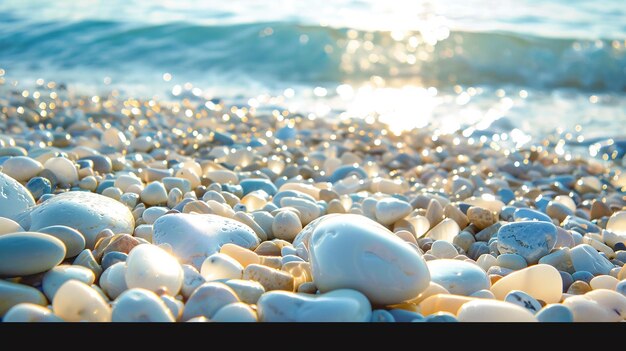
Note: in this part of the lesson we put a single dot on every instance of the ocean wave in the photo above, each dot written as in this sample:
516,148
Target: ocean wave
307,54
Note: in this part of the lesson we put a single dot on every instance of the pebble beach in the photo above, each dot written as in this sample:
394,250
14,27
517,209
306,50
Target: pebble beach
116,209
289,161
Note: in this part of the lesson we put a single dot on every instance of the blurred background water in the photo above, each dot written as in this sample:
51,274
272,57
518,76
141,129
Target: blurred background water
511,68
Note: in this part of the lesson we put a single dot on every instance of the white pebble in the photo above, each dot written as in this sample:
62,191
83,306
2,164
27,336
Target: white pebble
75,301
154,194
113,280
140,305
152,268
221,266
237,312
63,169
208,299
29,312
286,225
21,168
57,276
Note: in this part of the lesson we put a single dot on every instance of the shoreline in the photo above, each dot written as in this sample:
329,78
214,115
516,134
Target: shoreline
415,196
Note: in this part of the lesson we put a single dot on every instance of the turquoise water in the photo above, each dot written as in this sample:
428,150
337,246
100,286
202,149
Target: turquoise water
531,65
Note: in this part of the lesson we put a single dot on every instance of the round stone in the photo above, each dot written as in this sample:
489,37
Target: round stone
194,237
221,266
101,164
111,258
458,277
485,310
54,278
73,240
237,312
286,225
140,305
242,255
12,294
555,313
308,210
352,251
511,261
26,253
76,301
600,305
113,280
21,168
150,215
86,212
390,209
207,299
480,217
541,281
14,197
154,194
152,268
248,291
29,313
63,169
8,226
443,249
604,282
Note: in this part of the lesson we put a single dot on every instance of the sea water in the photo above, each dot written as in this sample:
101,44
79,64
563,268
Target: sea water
498,69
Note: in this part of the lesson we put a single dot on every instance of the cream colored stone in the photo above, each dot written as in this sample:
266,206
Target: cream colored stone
286,225
221,266
487,310
271,279
8,226
541,281
152,268
443,303
604,282
75,301
446,230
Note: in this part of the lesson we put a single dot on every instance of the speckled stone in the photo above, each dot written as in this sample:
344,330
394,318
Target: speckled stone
86,212
480,217
524,300
531,240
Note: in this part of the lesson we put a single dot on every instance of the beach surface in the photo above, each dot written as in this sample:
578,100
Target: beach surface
120,209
